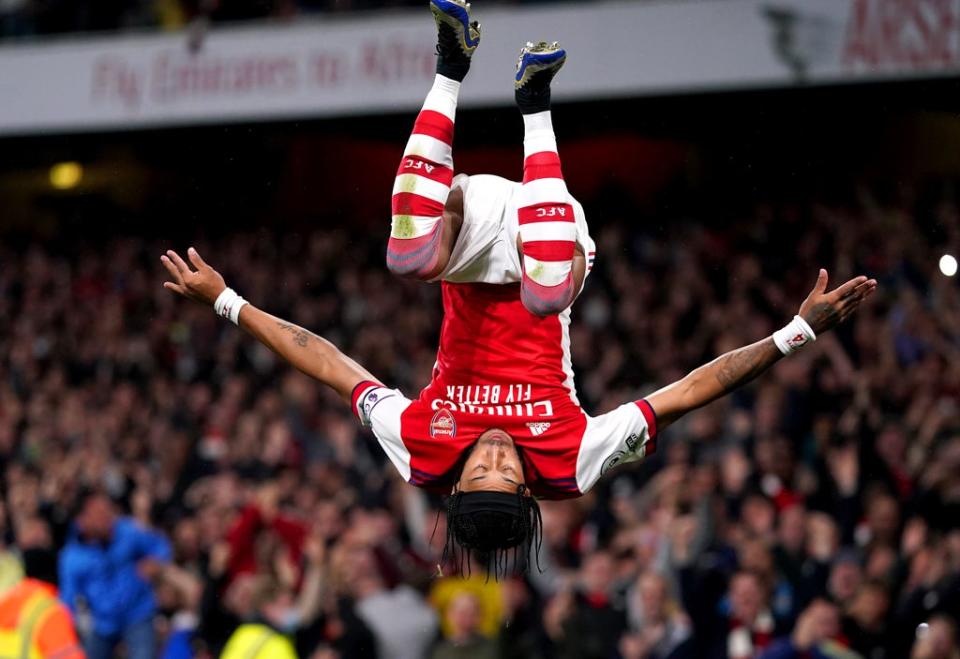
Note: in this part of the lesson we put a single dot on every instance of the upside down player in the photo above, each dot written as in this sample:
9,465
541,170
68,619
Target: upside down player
500,421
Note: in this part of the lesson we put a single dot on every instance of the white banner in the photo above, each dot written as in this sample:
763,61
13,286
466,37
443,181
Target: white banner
382,62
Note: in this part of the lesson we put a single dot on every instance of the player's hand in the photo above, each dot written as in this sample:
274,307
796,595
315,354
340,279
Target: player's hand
823,310
203,284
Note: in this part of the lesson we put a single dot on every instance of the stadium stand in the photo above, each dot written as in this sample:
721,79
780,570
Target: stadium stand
817,507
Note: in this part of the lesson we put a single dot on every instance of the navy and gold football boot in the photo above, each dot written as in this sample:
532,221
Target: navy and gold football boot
536,67
457,37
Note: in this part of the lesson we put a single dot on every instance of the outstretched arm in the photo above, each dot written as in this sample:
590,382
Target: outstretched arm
821,310
307,352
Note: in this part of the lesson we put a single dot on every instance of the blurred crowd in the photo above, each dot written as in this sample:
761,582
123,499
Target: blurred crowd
205,500
27,18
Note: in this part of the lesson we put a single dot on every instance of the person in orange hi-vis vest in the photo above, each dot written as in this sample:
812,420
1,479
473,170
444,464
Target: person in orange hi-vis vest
34,624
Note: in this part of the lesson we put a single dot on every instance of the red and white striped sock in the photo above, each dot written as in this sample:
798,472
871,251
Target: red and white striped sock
548,230
422,185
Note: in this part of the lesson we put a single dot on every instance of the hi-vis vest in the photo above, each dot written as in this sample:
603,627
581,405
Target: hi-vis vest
258,642
20,642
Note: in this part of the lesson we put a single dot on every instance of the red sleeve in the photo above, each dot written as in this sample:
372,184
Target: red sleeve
649,415
358,392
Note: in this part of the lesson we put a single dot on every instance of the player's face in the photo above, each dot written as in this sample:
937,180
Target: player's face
493,465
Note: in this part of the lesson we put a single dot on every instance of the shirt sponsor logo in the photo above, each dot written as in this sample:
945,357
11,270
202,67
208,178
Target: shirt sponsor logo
538,428
443,424
494,399
489,394
632,442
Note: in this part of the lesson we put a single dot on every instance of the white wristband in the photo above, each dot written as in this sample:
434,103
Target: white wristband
228,305
794,336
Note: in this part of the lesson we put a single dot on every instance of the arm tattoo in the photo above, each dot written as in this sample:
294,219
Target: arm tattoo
740,366
822,316
300,336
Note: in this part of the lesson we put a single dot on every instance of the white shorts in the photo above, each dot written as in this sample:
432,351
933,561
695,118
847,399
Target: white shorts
486,250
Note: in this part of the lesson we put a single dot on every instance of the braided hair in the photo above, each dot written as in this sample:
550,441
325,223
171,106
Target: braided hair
485,526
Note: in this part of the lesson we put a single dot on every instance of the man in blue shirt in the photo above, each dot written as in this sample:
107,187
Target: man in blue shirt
107,563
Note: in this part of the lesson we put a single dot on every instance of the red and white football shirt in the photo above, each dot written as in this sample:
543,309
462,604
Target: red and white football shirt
499,366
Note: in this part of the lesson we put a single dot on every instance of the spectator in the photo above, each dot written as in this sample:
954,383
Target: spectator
882,524
520,634
659,628
270,606
464,640
813,637
401,621
751,623
936,640
107,385
488,593
846,575
107,567
263,532
801,566
865,621
588,621
930,588
31,616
